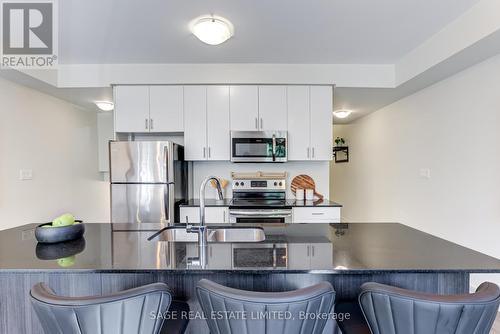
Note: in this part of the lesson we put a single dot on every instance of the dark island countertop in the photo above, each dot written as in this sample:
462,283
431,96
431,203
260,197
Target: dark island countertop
289,202
340,248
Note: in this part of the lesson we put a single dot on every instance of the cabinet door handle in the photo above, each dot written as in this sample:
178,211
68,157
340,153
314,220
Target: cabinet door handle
204,152
211,251
187,220
308,152
146,124
224,217
151,123
312,250
209,152
313,152
317,213
256,123
261,123
308,250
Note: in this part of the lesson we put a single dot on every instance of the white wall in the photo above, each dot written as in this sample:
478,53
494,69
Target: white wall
58,141
451,128
318,170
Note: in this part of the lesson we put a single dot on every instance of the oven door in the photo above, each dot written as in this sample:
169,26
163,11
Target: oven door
260,216
261,256
268,146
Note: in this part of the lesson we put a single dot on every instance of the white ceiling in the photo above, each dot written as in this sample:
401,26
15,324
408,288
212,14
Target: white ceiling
266,31
291,40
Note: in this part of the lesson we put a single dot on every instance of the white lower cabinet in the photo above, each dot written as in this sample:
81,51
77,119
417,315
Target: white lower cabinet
213,215
316,214
310,255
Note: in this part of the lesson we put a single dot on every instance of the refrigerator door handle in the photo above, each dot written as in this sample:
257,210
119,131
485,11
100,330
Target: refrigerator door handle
167,202
170,181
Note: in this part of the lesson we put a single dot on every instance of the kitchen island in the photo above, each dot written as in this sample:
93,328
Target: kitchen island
114,257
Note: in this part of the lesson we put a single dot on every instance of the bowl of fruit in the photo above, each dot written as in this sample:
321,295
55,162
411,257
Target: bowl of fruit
63,228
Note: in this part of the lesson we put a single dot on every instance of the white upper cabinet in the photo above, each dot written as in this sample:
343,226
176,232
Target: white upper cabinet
195,122
244,104
149,109
272,108
258,108
166,109
207,113
131,108
321,122
218,139
206,128
298,123
310,123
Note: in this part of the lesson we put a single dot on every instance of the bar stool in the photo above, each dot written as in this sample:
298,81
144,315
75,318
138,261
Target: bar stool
233,311
393,310
139,310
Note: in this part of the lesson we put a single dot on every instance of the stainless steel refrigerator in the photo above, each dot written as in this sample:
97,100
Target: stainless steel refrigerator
148,181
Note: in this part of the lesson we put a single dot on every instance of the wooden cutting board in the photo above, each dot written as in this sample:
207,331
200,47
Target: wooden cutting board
304,181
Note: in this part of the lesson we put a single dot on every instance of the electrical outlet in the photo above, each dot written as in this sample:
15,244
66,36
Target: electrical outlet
425,173
25,174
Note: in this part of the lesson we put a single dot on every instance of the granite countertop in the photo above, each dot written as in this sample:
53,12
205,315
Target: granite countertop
289,202
340,249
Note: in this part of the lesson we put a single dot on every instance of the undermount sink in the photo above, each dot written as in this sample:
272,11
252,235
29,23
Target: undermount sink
215,234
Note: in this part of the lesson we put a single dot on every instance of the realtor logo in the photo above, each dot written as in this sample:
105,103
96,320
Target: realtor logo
29,37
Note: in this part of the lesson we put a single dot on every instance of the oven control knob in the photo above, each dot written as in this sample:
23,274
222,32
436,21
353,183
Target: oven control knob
242,184
281,184
237,184
275,184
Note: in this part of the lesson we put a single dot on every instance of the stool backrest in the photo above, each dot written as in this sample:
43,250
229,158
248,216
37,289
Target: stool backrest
233,311
390,310
140,310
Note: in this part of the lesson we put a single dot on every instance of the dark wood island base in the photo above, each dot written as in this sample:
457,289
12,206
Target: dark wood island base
17,316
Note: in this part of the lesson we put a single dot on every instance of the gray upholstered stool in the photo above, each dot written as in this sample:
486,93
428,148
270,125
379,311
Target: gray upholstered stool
233,311
125,312
391,310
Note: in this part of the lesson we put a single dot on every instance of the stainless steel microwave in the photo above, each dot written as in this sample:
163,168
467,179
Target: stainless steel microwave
259,146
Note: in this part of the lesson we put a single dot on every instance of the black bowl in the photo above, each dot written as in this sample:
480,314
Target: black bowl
52,235
60,250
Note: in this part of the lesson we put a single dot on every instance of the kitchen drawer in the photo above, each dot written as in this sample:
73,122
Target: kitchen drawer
316,215
213,215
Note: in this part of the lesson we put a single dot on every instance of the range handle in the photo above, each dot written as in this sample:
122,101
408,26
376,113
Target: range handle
260,213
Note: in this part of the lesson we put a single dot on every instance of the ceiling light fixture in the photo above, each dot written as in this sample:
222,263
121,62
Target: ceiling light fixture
212,30
105,105
343,113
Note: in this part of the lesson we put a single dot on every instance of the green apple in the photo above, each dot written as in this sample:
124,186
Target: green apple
67,261
64,220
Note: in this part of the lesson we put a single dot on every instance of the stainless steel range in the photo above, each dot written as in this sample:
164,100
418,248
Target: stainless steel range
259,198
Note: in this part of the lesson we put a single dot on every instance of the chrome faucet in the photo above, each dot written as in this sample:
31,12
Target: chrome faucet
201,229
202,196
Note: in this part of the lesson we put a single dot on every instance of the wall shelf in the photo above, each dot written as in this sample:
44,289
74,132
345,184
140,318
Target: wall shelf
341,154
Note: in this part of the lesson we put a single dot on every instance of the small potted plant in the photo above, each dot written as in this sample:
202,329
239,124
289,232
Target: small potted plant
339,141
